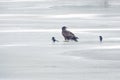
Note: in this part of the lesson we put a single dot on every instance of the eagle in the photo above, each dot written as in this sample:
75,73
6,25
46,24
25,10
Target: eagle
68,35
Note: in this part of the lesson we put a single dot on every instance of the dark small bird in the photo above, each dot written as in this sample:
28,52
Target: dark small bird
68,35
101,38
54,40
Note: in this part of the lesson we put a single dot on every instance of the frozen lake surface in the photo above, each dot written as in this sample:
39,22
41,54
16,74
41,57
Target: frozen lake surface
27,52
33,56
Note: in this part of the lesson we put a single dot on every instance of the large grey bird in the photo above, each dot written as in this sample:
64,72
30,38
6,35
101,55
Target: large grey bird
68,35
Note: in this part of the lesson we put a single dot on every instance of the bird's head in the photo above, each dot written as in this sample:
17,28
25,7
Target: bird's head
64,28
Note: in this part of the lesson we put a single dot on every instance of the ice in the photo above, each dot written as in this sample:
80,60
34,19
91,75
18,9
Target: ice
28,53
31,55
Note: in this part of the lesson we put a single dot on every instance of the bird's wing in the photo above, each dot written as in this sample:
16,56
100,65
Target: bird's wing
68,34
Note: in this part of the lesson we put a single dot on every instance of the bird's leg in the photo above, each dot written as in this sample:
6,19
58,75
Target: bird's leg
66,40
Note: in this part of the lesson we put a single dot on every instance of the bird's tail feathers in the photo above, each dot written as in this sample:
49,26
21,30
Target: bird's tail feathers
75,39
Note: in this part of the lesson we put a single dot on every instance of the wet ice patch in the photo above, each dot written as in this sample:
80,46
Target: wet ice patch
104,53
